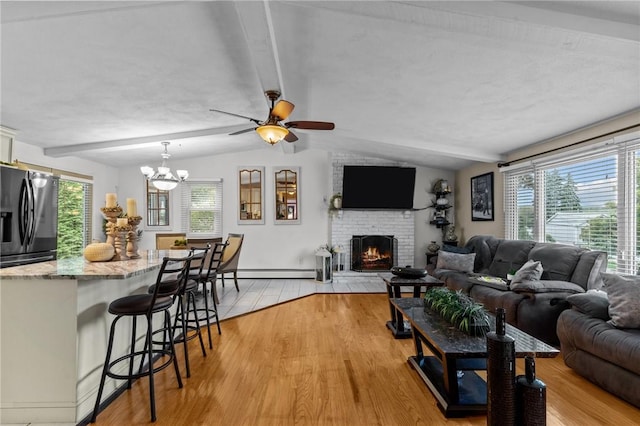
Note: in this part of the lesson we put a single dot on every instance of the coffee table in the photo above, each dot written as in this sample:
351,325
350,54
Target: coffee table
394,290
450,372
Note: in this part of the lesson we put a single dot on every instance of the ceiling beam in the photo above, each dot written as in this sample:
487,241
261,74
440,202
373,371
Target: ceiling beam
123,144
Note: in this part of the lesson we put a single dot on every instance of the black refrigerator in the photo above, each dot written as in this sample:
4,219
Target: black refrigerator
28,216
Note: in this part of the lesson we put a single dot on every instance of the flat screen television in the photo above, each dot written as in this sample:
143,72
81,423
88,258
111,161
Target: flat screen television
378,187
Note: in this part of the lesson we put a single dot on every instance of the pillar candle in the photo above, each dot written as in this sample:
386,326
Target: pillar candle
132,209
122,221
111,199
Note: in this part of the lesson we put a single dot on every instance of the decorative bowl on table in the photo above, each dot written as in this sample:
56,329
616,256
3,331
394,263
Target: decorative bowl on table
407,272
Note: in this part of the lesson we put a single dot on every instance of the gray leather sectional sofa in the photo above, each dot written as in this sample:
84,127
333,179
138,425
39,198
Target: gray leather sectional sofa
533,308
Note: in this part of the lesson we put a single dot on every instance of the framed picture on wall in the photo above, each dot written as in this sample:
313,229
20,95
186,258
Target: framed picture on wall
482,197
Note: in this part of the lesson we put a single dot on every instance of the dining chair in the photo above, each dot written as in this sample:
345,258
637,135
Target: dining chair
230,258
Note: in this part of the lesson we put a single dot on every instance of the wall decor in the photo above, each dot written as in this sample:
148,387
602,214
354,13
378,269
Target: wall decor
287,195
251,195
482,197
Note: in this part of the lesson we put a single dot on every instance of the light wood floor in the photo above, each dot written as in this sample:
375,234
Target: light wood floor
328,359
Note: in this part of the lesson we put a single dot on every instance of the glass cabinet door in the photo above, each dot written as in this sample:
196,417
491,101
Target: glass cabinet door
251,195
287,188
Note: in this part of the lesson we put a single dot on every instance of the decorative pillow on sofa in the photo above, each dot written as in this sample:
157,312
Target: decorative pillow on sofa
592,303
624,299
529,272
456,261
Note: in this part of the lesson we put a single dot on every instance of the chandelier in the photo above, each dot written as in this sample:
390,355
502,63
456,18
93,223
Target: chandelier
163,179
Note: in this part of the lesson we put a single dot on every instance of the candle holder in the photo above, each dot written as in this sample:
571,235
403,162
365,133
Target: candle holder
120,242
111,214
132,237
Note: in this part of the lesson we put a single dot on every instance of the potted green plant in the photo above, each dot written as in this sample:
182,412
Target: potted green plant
458,309
179,244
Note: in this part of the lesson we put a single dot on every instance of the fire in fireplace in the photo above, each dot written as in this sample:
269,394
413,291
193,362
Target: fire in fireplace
373,252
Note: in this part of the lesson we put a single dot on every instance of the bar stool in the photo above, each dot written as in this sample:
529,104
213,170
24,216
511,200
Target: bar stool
209,276
173,276
186,299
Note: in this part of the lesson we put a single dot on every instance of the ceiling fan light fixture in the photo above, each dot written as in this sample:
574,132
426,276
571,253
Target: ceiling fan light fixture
163,179
271,133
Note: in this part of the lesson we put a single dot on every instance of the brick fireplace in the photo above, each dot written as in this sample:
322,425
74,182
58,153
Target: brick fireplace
347,223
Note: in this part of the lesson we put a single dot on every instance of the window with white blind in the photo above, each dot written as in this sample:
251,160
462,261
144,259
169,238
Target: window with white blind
589,199
201,206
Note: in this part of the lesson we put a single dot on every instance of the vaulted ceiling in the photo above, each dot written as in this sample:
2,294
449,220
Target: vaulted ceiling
440,84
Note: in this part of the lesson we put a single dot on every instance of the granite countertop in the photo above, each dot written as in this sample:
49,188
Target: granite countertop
78,268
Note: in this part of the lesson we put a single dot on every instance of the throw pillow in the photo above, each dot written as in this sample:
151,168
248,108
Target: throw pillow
592,303
529,272
624,300
456,261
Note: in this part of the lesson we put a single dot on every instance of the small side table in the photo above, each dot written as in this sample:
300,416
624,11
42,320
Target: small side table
431,256
394,291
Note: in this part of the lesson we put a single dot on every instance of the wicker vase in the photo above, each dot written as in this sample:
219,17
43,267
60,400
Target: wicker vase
501,367
531,397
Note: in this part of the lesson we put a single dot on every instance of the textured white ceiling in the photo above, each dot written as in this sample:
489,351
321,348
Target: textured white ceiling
440,84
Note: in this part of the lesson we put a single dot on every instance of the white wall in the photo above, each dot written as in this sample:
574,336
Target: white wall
267,246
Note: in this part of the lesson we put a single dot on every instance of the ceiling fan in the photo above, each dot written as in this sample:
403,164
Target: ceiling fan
272,130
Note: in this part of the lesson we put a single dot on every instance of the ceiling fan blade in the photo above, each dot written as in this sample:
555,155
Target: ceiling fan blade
239,132
282,109
236,115
290,137
311,125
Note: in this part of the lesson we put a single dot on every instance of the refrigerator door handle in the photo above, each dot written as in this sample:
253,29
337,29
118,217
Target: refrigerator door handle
26,221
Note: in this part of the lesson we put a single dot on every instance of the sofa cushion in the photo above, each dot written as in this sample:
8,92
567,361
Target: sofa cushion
588,269
529,272
456,261
547,286
510,255
456,249
484,246
558,260
592,303
624,300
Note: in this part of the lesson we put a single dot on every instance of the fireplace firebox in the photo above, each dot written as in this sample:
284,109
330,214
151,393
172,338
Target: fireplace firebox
373,252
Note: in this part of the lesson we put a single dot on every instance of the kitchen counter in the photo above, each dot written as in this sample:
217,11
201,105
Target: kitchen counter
78,268
54,326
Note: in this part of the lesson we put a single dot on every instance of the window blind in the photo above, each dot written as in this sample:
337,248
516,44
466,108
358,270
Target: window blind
587,198
201,208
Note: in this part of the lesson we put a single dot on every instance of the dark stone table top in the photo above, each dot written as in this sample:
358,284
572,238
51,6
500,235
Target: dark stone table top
392,279
456,343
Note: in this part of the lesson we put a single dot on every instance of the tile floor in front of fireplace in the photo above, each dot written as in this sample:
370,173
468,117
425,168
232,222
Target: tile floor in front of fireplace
258,294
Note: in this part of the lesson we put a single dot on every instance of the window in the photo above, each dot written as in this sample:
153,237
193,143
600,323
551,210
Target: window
201,206
157,206
74,213
588,199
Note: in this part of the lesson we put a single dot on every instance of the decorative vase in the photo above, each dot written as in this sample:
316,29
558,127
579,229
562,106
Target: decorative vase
450,235
531,396
501,367
433,247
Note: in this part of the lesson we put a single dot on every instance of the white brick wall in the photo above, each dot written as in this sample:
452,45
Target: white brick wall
346,223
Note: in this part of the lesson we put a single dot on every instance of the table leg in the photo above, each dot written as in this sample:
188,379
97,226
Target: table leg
396,325
416,290
450,377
